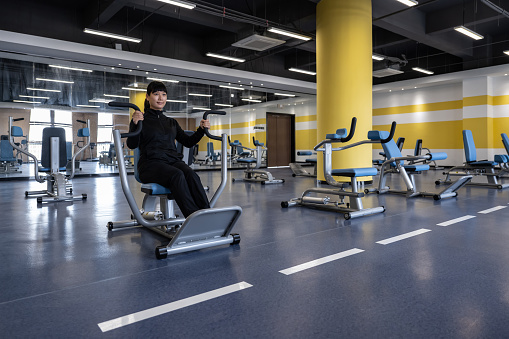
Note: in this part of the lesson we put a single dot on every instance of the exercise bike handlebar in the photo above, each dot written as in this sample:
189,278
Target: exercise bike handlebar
18,119
391,133
136,108
205,116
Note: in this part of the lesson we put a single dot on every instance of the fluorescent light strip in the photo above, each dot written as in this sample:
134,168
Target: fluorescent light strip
27,102
71,68
43,90
422,70
507,52
183,4
219,56
33,97
285,95
377,57
202,108
232,87
104,101
111,35
90,106
290,34
134,89
163,80
224,105
468,32
409,3
181,101
200,95
301,71
251,100
54,80
116,96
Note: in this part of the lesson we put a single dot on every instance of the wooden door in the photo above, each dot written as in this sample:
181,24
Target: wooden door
279,139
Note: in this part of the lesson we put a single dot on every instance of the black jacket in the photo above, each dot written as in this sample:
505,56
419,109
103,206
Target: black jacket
157,138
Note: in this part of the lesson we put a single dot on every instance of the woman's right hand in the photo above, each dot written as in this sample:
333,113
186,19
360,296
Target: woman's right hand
137,116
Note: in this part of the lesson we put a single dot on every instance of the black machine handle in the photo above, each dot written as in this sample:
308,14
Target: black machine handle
136,108
391,133
207,133
83,122
18,119
352,130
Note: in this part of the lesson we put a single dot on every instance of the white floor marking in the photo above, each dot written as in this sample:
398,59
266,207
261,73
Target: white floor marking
453,221
492,209
155,311
403,236
320,261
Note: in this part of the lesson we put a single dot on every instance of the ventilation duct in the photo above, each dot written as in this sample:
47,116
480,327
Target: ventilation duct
258,42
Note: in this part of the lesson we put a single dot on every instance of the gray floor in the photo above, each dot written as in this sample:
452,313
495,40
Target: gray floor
64,275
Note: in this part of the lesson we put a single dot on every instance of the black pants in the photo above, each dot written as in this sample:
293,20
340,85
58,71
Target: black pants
184,183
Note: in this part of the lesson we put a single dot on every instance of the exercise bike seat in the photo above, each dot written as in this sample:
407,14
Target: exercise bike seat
150,188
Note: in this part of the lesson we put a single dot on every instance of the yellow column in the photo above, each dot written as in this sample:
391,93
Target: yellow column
137,98
344,77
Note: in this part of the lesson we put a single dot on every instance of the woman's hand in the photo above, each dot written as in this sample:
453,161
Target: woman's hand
137,116
204,124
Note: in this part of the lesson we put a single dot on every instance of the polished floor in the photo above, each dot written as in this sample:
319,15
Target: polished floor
422,269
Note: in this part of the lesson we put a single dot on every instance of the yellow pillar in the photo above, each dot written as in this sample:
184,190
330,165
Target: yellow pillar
137,98
344,77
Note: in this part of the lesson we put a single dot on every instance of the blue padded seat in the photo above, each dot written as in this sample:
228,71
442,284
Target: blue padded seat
505,141
471,153
247,160
340,133
355,172
416,168
311,160
6,151
501,158
155,189
17,131
83,132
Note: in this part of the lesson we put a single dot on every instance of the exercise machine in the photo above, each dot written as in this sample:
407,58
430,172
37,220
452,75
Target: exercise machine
8,161
319,198
297,168
253,173
53,162
399,143
395,164
202,229
473,167
418,152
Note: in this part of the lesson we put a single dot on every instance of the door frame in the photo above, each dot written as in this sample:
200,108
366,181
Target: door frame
292,131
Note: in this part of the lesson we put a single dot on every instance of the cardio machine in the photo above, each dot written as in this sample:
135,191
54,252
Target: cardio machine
53,162
202,229
319,198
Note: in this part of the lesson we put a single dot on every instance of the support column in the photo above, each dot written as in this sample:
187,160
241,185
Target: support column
344,77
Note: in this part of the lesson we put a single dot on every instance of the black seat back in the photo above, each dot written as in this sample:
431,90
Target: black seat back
47,134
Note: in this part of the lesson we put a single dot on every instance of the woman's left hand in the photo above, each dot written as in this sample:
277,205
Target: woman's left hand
204,124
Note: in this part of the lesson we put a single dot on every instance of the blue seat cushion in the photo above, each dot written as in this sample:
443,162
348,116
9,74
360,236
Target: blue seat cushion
416,168
154,189
355,172
501,158
247,160
304,153
47,169
340,133
482,163
311,160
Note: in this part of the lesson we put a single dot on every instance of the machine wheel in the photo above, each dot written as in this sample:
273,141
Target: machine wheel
236,238
347,216
70,191
282,180
499,187
39,200
233,179
284,204
437,197
294,175
161,252
263,182
366,191
109,225
437,182
26,193
84,196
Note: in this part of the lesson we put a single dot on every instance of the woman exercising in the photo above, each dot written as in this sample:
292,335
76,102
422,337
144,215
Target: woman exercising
159,160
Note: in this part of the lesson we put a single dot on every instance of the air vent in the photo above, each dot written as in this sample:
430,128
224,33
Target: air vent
385,72
258,42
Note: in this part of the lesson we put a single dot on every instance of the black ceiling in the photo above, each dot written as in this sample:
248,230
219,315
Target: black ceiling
422,35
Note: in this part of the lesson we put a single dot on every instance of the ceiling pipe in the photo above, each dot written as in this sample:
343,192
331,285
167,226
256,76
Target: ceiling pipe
495,8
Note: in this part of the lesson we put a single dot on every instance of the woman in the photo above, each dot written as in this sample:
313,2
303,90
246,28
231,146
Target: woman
159,160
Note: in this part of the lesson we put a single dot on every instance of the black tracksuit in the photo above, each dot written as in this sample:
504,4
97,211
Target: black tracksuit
161,163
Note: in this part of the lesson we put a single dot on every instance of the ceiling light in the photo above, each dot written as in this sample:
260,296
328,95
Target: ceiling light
251,100
27,102
43,90
285,95
179,3
219,56
104,101
71,68
507,52
33,97
134,89
301,71
468,32
290,34
116,96
232,87
53,80
111,35
181,101
409,3
200,95
377,57
163,80
224,105
90,106
422,70
202,108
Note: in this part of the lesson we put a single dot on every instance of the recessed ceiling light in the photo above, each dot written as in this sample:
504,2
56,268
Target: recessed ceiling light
111,35
301,71
71,68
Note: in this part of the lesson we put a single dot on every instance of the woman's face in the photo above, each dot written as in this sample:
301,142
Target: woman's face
157,100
